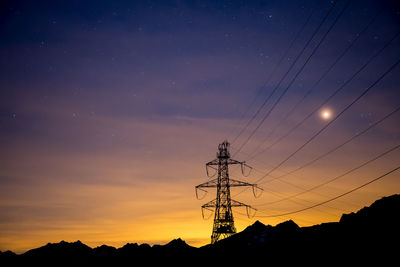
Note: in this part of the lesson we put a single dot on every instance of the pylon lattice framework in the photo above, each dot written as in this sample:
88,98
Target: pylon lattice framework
223,218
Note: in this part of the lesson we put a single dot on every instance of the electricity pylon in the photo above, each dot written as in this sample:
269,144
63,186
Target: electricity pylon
223,218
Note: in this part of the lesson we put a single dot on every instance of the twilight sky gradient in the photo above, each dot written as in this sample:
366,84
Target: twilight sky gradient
109,111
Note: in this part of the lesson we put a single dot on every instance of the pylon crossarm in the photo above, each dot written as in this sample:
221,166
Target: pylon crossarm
249,208
211,183
203,215
212,163
229,161
248,211
243,166
235,203
211,204
233,182
255,187
212,167
233,161
197,194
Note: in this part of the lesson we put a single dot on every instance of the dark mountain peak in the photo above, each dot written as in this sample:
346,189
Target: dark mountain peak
8,258
61,246
385,204
287,226
258,224
64,253
144,246
7,253
177,243
104,247
130,245
256,227
64,242
128,248
382,210
104,250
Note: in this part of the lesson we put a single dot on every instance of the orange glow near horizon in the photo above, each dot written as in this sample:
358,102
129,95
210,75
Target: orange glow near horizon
120,207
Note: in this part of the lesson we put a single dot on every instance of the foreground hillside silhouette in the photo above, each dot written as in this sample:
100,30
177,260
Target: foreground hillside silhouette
373,231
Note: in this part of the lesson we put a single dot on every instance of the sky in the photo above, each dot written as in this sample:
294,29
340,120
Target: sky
109,111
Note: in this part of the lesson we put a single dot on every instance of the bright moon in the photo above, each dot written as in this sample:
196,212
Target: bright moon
326,114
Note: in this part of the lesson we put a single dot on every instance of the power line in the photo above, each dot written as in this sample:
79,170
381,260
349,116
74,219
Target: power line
334,93
299,203
326,154
273,72
287,72
325,101
338,146
358,35
338,116
283,181
335,178
334,198
286,217
358,134
344,110
295,77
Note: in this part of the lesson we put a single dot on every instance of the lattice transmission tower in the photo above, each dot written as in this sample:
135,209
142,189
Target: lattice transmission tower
223,217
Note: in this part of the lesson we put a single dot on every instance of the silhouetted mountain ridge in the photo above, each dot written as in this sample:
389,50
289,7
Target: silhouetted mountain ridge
372,229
